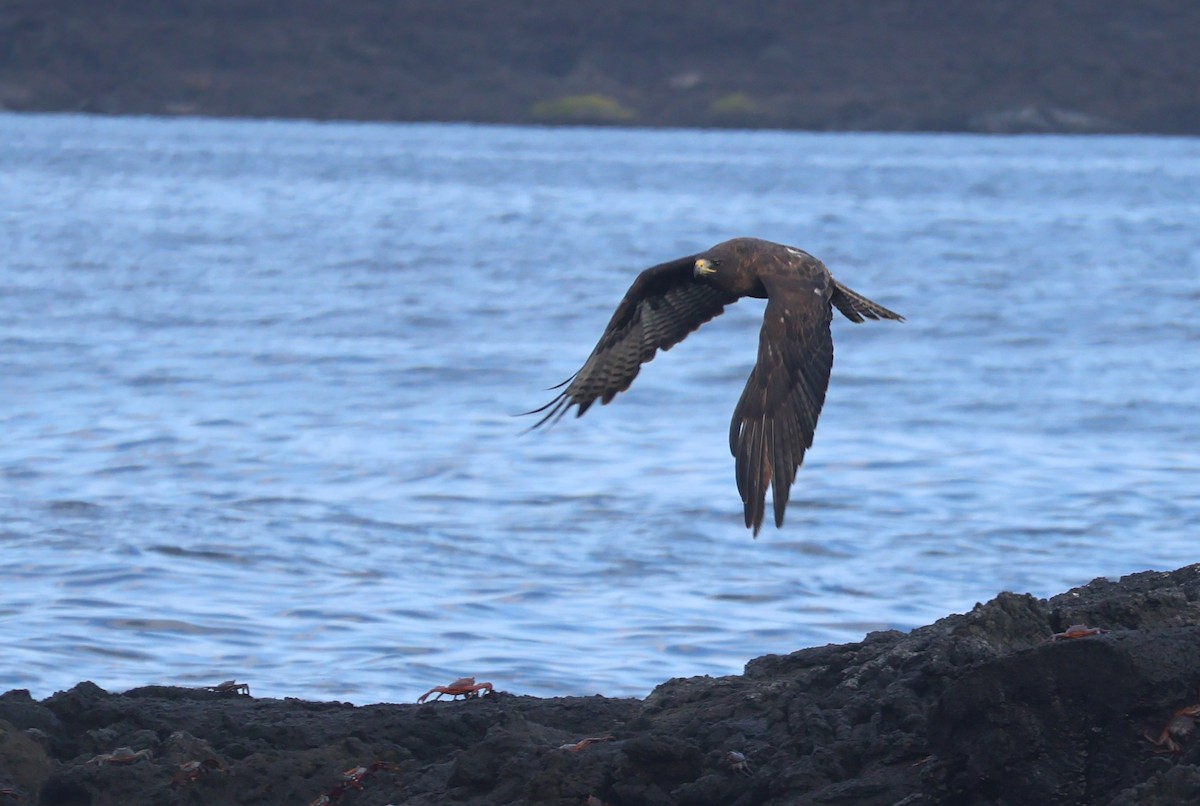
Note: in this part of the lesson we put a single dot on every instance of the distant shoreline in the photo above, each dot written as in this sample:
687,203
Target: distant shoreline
569,126
1018,66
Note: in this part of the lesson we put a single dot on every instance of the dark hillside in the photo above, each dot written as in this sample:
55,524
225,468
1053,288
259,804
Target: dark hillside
1005,65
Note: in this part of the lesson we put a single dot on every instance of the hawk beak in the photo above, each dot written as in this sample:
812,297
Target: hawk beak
704,267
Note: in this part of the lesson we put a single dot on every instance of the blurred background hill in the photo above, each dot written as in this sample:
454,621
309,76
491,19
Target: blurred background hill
931,65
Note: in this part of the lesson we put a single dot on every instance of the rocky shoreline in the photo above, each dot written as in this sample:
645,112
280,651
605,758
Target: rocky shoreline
981,708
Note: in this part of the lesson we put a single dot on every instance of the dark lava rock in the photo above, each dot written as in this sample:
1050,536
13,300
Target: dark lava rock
981,708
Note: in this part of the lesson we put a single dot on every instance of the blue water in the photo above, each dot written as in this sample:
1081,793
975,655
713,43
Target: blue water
259,377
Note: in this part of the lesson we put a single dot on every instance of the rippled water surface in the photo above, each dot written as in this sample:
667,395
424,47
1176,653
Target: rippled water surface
259,378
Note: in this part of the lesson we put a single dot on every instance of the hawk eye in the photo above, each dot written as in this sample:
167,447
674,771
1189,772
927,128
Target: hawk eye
716,263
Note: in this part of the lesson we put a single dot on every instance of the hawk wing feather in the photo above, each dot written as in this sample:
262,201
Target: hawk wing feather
774,421
664,304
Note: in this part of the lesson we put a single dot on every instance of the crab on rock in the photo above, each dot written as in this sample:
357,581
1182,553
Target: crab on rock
465,687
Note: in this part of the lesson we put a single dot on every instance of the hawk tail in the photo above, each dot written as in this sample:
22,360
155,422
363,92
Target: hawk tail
856,307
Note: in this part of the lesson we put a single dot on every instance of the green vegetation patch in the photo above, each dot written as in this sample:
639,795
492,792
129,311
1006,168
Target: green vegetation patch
590,108
735,106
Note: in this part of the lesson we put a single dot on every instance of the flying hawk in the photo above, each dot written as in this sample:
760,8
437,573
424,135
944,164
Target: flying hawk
776,416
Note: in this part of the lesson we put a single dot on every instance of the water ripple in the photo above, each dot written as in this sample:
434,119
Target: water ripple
259,380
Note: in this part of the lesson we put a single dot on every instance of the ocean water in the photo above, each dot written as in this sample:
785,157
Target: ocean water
259,382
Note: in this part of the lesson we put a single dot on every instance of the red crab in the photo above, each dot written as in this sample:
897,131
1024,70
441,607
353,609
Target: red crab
191,771
1179,726
1077,631
583,744
462,687
230,687
122,755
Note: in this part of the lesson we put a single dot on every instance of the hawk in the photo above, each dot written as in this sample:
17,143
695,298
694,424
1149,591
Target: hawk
775,418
